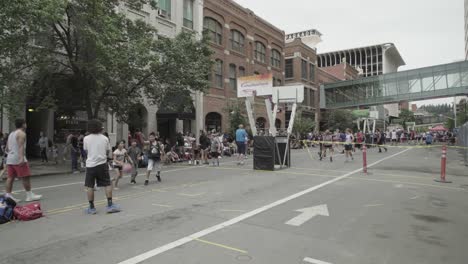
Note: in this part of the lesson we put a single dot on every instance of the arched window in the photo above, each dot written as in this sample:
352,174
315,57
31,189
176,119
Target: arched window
260,52
261,123
218,72
278,123
237,41
213,121
241,71
214,30
276,58
233,76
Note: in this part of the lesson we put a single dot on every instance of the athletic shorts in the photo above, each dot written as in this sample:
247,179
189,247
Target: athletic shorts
328,146
118,167
98,175
20,171
348,147
154,163
215,154
240,147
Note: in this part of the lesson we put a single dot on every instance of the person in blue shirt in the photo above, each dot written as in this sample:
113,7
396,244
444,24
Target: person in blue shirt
429,139
241,136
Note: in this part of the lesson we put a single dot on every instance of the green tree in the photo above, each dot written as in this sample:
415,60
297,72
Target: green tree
302,126
339,119
406,116
113,62
236,116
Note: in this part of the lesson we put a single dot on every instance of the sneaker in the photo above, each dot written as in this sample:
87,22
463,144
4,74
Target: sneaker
90,211
76,172
116,188
146,183
241,163
112,209
13,198
133,182
33,197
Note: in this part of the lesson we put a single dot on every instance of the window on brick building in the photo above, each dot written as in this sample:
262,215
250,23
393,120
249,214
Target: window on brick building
289,68
237,41
276,58
214,30
164,7
218,80
232,76
188,14
241,71
312,72
260,52
304,69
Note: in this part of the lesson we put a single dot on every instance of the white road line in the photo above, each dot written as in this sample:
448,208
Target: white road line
154,252
315,261
82,182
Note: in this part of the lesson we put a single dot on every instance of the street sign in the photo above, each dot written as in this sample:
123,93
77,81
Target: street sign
307,214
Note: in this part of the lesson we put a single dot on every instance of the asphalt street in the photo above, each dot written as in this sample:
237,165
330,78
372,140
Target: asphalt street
315,212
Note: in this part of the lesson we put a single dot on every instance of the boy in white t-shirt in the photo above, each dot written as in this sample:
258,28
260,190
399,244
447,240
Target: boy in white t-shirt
97,172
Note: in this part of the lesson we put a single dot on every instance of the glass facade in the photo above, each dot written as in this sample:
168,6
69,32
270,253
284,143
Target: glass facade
419,84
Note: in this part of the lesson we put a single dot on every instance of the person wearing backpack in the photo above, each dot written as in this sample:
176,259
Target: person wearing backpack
154,152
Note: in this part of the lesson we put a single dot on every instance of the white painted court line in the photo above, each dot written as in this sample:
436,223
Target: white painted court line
82,182
154,252
315,261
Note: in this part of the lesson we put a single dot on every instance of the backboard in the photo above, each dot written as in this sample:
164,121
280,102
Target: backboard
288,94
255,85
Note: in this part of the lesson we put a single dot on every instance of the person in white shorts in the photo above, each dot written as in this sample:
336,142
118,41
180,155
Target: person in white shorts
154,153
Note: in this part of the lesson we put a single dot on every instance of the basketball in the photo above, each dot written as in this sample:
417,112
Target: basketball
127,168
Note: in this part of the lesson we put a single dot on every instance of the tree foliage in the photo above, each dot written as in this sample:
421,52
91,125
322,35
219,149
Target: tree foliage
339,119
302,126
236,116
406,116
91,56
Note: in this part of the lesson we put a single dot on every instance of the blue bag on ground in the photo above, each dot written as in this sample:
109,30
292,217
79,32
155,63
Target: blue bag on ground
6,209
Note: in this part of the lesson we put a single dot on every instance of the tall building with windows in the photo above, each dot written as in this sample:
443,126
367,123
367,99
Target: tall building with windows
170,18
243,44
369,61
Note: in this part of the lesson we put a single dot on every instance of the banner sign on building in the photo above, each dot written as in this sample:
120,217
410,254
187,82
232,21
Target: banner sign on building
256,85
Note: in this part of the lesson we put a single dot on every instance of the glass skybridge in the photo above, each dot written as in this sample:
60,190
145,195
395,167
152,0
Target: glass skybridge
419,84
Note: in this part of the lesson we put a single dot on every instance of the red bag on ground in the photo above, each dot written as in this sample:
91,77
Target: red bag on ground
28,212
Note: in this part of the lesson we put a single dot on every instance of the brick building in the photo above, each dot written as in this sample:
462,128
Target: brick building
243,45
300,69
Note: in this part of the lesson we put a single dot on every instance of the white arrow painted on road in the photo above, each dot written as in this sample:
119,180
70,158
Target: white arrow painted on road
315,261
307,214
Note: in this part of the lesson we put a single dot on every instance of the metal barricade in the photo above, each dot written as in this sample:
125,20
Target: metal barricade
462,140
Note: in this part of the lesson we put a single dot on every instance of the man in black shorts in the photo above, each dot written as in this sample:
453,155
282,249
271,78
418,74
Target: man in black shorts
97,171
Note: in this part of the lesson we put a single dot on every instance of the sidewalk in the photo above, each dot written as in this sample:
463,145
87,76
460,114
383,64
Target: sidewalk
43,169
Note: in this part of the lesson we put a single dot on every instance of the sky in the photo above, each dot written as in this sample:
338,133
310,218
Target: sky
426,32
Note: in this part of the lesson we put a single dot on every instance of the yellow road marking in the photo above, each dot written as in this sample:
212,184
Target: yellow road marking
101,202
162,205
191,195
220,245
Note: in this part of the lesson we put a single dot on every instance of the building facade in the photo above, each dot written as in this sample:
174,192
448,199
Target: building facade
243,44
300,69
369,61
171,18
